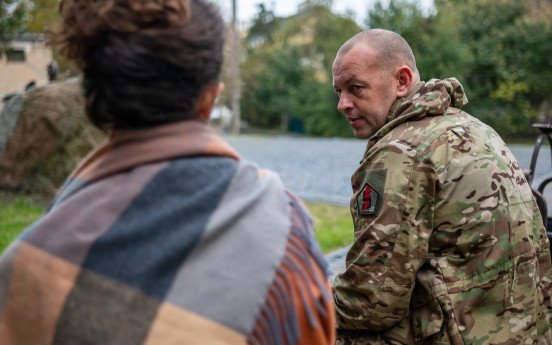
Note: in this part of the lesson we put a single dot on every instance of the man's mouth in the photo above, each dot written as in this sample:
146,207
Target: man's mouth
355,121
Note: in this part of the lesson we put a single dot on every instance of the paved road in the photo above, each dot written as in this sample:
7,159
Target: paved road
320,169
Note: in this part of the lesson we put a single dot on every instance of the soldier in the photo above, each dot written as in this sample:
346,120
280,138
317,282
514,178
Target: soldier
449,245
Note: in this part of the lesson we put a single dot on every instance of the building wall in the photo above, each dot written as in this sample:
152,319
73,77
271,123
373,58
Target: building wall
15,75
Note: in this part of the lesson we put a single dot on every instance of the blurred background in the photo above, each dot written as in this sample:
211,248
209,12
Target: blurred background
279,56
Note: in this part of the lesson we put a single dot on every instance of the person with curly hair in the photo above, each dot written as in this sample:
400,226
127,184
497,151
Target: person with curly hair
163,235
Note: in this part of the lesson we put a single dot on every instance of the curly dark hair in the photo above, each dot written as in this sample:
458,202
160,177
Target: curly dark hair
145,62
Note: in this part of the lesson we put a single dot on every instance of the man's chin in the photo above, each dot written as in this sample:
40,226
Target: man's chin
361,135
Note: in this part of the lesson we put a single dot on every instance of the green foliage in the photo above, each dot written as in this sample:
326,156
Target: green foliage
263,26
269,92
401,16
528,57
16,214
13,14
504,79
287,70
43,15
503,61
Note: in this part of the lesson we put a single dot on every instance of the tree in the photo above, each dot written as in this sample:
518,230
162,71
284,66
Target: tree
510,75
503,61
43,14
435,40
13,14
288,74
263,26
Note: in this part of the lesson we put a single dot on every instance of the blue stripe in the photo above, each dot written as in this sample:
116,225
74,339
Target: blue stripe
149,243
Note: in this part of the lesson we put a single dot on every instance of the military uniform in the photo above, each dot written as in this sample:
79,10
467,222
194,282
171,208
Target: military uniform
449,246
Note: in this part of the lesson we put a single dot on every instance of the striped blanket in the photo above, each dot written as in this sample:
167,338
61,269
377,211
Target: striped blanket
165,236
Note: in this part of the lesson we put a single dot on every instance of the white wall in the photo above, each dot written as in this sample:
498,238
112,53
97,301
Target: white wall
15,75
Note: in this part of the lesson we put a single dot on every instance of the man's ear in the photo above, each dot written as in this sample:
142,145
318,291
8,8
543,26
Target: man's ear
206,101
405,80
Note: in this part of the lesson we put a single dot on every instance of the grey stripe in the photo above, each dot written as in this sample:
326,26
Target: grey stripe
6,265
71,227
227,275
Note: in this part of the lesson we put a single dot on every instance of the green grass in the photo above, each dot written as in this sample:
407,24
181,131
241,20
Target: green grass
333,224
16,214
334,227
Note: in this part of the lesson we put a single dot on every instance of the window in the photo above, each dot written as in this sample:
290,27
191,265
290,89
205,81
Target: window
15,55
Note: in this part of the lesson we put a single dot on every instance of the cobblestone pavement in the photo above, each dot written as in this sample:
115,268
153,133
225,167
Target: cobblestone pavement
314,169
320,169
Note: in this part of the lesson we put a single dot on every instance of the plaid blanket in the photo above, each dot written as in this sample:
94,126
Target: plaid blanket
165,236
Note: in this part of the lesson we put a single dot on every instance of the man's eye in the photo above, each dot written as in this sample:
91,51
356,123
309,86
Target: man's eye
356,88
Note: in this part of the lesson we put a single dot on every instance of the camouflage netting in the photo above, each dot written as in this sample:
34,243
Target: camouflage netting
43,134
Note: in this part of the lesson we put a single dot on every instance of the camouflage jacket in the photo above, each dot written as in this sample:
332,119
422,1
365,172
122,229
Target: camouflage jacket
449,246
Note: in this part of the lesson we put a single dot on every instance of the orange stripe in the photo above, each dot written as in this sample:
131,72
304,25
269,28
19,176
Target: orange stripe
39,285
325,332
174,326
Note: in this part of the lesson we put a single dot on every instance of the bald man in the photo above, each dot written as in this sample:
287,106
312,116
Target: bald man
449,244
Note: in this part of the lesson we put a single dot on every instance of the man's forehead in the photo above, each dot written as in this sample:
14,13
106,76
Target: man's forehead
357,58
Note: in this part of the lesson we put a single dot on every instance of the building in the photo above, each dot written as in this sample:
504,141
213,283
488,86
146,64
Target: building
25,61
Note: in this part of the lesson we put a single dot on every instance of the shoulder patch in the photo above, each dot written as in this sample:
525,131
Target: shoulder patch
370,196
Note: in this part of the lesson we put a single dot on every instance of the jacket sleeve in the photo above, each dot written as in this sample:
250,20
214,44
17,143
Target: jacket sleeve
373,293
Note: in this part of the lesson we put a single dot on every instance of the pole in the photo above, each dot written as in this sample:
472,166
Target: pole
235,72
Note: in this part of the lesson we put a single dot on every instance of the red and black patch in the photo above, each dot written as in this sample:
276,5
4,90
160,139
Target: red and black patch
368,201
369,198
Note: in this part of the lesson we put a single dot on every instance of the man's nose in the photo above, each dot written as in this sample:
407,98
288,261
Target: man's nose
344,104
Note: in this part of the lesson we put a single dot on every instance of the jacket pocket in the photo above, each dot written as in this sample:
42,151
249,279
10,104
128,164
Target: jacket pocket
427,316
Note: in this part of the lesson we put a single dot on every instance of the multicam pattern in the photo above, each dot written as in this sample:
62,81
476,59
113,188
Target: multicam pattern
458,253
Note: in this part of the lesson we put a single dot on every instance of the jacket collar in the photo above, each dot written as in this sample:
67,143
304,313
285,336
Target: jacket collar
431,98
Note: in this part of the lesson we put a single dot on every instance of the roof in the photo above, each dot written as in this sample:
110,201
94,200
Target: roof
25,37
